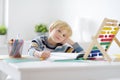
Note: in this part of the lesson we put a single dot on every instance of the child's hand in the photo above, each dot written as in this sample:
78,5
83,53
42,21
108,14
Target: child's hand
69,41
44,54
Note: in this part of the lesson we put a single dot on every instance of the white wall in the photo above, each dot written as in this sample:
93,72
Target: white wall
87,15
25,14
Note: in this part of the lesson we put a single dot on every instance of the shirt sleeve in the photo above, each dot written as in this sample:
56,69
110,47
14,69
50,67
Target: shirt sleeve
77,48
36,45
31,51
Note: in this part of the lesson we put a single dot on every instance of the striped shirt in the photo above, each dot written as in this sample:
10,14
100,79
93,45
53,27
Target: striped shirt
40,44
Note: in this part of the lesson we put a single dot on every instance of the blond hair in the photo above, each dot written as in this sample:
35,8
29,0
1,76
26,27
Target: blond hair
62,25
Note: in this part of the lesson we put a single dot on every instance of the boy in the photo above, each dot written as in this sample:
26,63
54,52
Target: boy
59,35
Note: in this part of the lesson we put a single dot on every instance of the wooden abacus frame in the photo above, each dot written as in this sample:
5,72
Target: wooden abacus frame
106,22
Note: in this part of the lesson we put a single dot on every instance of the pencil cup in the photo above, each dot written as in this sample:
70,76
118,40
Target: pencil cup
15,47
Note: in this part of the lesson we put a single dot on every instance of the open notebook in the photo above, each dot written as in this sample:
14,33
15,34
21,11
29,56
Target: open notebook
71,57
62,56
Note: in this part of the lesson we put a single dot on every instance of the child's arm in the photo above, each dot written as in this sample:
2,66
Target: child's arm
75,45
35,51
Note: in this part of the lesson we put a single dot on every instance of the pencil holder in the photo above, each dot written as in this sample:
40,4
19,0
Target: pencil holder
15,47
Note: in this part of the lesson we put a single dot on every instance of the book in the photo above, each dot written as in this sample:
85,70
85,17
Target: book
62,56
72,57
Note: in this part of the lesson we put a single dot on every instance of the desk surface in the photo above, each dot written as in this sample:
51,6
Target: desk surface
36,63
49,70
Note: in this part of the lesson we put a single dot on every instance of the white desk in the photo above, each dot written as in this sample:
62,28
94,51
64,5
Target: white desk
46,70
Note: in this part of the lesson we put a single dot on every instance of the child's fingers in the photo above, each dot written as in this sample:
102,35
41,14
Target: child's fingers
64,41
69,41
45,55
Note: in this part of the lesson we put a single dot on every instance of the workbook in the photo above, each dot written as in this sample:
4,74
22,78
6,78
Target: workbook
71,57
62,56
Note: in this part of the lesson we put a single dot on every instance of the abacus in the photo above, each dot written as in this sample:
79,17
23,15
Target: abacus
103,39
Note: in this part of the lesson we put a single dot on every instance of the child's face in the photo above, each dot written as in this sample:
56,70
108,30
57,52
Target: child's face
58,35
